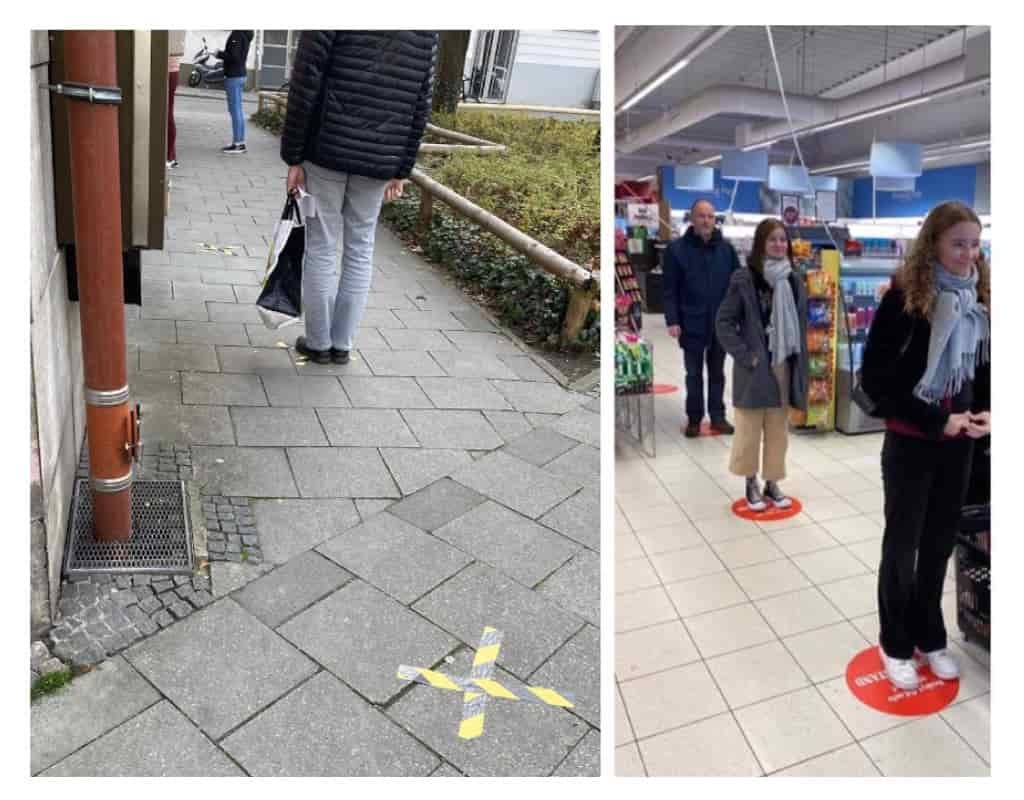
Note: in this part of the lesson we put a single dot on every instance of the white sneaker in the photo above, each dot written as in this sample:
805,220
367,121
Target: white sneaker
943,663
902,672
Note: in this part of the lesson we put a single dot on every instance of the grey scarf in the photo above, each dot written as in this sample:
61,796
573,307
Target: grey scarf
784,331
960,337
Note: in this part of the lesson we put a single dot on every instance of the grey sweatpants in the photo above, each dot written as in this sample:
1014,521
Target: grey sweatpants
348,205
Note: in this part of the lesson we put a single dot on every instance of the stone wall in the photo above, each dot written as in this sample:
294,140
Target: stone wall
57,402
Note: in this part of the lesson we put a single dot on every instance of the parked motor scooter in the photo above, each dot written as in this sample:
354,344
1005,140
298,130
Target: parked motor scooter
207,69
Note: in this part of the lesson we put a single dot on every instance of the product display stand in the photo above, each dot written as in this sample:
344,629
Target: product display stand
634,361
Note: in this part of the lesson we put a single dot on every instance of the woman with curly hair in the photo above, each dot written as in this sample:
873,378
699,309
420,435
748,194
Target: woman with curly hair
762,324
926,367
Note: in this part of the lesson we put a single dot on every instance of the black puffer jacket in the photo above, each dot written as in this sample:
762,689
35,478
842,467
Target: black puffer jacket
235,53
358,101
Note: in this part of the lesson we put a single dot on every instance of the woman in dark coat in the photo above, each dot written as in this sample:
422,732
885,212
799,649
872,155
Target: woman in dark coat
762,324
926,367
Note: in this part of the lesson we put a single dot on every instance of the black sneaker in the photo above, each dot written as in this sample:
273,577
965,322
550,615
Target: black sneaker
722,426
755,502
316,356
233,149
339,356
771,488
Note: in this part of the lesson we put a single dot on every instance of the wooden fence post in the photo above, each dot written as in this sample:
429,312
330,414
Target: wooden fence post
426,211
580,300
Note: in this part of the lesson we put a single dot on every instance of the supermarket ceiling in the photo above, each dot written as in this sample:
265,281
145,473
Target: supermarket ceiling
688,94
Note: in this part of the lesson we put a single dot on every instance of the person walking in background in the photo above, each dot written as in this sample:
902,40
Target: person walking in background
358,103
175,50
235,54
762,324
926,367
697,267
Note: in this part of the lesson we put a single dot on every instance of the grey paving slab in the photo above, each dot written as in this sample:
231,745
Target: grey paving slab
376,392
516,483
483,342
160,356
389,300
220,389
539,447
583,462
576,586
517,546
175,310
398,339
585,760
366,427
230,311
327,730
93,704
187,424
305,391
369,508
169,272
527,369
394,556
290,527
481,596
519,739
415,469
160,743
244,471
576,669
212,333
155,387
341,472
463,393
292,588
362,636
466,430
473,320
535,397
236,277
369,339
247,294
202,291
437,504
579,517
584,426
227,576
150,331
220,666
260,360
278,427
510,425
381,318
156,290
436,320
446,771
283,338
401,363
542,420
458,364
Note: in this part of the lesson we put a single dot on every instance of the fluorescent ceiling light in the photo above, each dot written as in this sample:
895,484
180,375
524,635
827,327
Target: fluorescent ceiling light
654,84
711,160
759,145
645,178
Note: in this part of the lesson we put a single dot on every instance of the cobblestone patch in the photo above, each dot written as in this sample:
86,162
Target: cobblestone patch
43,662
161,461
231,529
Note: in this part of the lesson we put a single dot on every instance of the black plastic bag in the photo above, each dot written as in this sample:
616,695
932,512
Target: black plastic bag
280,302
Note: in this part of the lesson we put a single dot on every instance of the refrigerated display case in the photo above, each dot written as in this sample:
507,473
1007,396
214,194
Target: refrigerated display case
863,282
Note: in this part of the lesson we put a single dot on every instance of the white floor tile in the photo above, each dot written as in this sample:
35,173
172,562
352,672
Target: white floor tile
973,721
854,597
846,762
623,729
707,593
747,552
797,612
631,576
925,747
845,484
869,553
975,678
868,625
671,699
807,539
806,487
627,762
725,527
677,536
621,523
655,517
648,497
871,501
861,719
711,748
650,650
710,507
792,728
825,653
825,566
800,520
643,608
772,578
727,630
680,565
627,547
853,529
823,509
757,673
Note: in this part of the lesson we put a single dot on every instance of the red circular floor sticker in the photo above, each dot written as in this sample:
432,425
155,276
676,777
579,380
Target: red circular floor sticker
867,680
665,388
770,514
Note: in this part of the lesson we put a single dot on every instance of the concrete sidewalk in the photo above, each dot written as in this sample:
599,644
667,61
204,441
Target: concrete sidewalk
360,517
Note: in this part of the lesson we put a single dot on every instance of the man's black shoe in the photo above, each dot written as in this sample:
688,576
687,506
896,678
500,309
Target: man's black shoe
692,431
723,427
339,356
316,356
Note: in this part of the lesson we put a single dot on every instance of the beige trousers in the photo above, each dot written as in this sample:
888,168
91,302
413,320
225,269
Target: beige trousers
769,424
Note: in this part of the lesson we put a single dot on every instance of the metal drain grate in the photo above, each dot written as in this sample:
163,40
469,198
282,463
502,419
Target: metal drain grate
161,538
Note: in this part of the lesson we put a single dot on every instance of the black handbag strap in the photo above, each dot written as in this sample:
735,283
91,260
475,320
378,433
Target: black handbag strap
291,209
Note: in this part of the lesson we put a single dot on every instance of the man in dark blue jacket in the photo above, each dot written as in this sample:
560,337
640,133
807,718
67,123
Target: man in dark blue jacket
697,267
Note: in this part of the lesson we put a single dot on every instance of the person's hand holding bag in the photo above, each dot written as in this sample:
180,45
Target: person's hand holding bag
296,178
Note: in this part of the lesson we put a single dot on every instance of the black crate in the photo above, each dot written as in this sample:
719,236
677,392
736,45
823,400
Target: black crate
973,596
